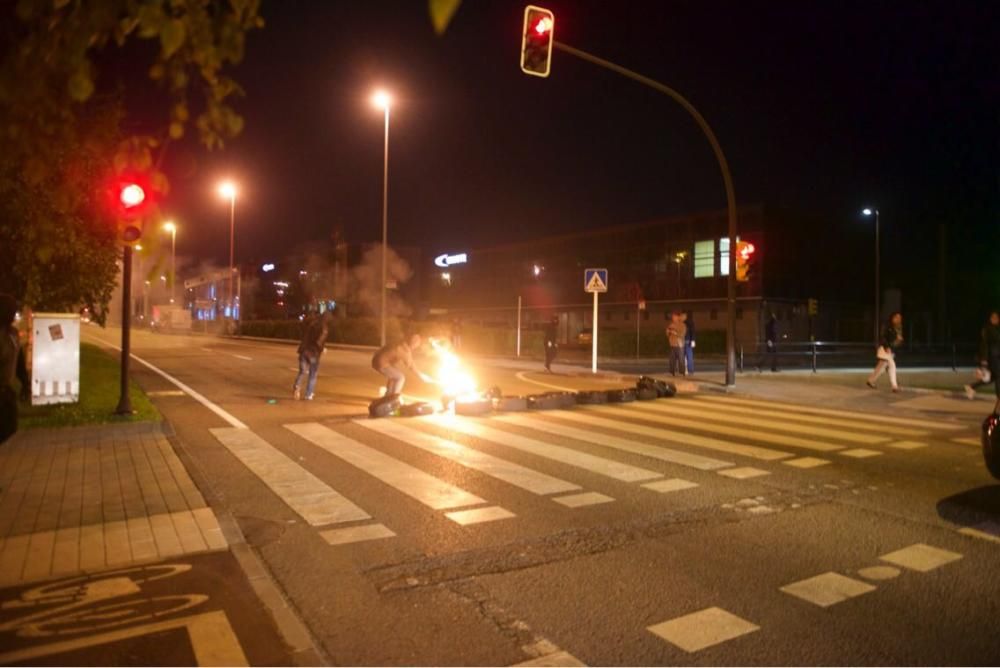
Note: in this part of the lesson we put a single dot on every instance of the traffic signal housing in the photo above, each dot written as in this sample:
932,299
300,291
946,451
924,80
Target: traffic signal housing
536,41
131,199
744,255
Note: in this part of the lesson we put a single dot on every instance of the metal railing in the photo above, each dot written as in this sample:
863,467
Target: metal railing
840,353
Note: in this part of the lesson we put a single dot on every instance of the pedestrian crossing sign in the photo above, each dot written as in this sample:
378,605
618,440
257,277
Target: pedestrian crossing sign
595,280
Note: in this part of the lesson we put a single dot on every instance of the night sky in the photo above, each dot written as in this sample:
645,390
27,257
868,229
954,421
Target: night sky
824,107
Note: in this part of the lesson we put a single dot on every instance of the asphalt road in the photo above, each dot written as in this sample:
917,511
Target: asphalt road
695,530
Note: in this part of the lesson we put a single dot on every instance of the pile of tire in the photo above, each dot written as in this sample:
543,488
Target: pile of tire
662,388
551,401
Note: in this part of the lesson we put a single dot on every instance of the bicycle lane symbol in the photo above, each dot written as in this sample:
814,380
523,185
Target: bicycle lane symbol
87,611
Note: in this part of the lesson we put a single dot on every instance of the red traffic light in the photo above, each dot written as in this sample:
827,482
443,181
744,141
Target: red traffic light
131,195
536,41
746,250
543,26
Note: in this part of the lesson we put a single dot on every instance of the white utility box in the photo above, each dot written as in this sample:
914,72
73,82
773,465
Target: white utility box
55,358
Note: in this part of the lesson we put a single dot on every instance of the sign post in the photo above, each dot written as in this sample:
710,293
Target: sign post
639,308
519,326
595,281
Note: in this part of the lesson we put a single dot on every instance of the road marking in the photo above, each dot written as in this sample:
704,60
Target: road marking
906,445
166,393
315,501
811,419
242,357
921,558
599,465
559,659
988,530
806,462
827,589
700,423
671,485
356,534
656,452
207,350
856,415
753,451
688,408
968,440
194,395
425,488
478,515
702,629
509,472
585,499
522,375
859,453
743,473
879,573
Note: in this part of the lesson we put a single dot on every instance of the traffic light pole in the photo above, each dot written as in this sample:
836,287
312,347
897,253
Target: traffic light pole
124,400
726,178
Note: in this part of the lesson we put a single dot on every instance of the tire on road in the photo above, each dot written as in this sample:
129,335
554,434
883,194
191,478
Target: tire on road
510,404
591,397
416,409
621,395
473,408
544,402
646,394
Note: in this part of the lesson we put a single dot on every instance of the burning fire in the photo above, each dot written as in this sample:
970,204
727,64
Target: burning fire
455,382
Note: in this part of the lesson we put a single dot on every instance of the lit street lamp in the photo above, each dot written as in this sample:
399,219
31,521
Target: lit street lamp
169,226
382,100
878,297
227,190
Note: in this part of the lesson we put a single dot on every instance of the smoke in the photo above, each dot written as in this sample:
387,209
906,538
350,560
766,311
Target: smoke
366,280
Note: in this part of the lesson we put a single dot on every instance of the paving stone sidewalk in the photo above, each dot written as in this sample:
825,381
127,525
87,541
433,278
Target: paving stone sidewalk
80,499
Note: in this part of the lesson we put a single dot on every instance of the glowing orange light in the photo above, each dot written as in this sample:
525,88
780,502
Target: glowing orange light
132,195
544,25
747,250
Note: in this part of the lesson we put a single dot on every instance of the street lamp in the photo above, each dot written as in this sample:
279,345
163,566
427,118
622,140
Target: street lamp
169,226
867,211
382,100
227,190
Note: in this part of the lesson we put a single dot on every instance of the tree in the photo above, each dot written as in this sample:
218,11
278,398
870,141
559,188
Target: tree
60,136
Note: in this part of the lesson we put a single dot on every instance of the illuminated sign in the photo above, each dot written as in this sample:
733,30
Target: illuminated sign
268,267
444,260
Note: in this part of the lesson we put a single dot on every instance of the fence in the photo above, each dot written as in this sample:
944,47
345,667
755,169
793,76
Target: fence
834,354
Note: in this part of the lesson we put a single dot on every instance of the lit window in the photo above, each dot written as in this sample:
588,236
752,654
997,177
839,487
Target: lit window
724,256
704,259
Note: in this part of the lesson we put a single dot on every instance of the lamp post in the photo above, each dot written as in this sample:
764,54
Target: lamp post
383,100
867,211
169,226
227,189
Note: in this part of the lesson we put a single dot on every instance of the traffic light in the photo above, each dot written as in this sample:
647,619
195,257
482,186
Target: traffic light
536,41
130,201
744,253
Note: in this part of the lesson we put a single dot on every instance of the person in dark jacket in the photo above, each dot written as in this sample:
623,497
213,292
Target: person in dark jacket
10,343
892,337
989,355
770,344
311,347
551,342
689,344
393,360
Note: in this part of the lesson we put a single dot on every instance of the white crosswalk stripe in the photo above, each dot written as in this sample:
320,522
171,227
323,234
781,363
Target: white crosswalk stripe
834,412
599,465
509,472
688,408
605,440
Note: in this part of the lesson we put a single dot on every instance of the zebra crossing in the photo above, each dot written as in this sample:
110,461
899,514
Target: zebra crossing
578,458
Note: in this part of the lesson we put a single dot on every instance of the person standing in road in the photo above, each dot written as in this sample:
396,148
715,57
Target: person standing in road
311,349
676,332
892,337
989,356
551,342
393,360
770,344
689,344
10,344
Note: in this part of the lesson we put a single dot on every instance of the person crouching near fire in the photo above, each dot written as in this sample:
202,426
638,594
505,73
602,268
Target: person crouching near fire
394,359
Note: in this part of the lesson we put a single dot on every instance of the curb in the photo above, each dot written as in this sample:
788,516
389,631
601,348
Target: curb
305,651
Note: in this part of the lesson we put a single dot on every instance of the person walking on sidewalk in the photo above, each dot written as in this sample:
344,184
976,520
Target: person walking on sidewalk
551,342
689,344
10,344
892,337
311,348
770,344
989,356
676,331
393,360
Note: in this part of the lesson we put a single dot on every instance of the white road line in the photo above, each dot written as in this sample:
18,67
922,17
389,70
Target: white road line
584,499
743,473
856,415
478,515
653,451
673,436
356,534
827,589
509,472
859,453
806,462
522,375
599,465
738,409
688,408
671,485
218,410
702,629
921,558
413,482
315,501
703,425
907,445
967,440
208,350
242,357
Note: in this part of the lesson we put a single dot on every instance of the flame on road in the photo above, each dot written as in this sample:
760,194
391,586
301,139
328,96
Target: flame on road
453,379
